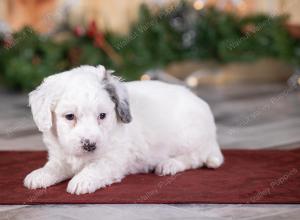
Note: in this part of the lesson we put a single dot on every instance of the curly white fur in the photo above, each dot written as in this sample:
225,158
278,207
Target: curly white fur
149,125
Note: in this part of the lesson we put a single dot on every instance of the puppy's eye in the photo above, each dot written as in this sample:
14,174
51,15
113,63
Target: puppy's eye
102,116
70,117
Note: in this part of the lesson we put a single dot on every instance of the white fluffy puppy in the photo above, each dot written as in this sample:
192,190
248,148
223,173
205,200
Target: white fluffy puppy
98,129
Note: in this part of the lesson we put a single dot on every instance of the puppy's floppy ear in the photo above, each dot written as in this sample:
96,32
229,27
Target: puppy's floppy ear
119,95
42,101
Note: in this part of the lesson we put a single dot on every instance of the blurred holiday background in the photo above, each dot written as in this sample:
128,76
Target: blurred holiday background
196,42
242,56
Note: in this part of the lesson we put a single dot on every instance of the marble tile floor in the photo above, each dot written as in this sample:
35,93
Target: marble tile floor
132,212
248,117
263,116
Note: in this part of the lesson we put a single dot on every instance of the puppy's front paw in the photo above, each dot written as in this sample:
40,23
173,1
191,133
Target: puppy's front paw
39,178
169,167
82,184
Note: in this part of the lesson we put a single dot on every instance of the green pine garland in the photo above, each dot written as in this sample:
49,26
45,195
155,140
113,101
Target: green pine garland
155,41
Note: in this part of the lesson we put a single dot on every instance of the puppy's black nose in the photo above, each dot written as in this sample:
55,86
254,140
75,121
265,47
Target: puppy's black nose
88,146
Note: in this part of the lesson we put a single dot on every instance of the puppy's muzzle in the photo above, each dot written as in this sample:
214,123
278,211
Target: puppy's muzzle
88,146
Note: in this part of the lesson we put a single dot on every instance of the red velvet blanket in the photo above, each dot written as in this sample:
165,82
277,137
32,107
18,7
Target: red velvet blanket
246,177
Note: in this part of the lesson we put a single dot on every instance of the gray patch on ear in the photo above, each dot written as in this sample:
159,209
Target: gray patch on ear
121,106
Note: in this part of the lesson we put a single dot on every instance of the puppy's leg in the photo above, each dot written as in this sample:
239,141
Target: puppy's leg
53,172
97,175
212,158
177,164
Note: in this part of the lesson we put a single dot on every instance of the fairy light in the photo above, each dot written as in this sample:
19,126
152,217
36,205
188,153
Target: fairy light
198,5
192,81
145,77
242,6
